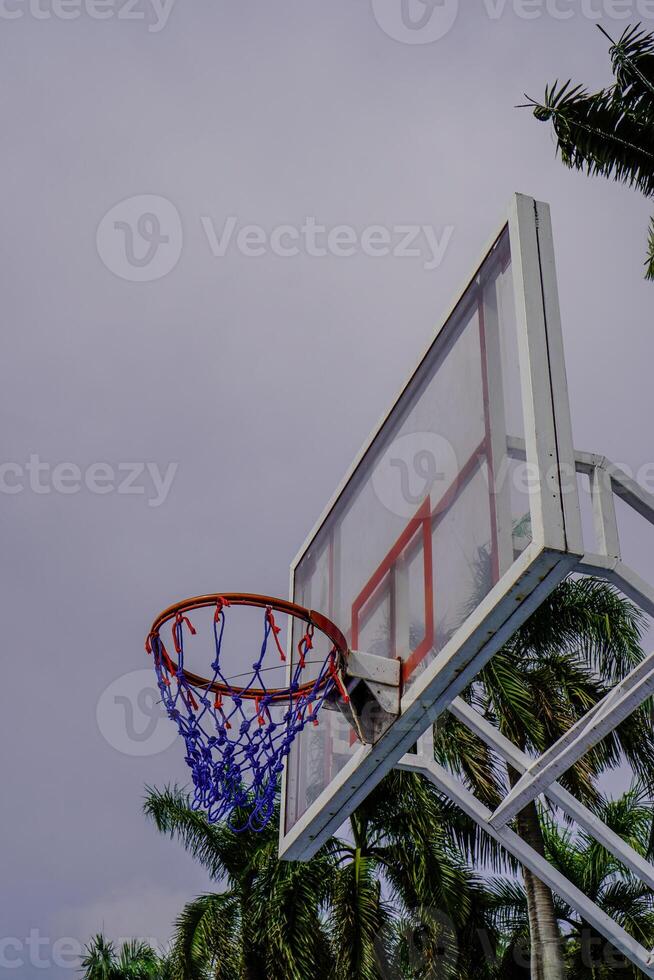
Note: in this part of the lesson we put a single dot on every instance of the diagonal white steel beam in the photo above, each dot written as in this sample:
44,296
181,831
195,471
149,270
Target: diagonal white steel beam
633,586
587,732
624,578
631,491
529,858
582,816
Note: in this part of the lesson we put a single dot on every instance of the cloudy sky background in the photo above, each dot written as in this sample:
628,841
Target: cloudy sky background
259,377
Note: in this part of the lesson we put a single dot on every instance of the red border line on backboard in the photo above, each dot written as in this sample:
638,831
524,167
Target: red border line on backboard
421,522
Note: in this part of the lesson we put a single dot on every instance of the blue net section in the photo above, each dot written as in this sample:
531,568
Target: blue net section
237,738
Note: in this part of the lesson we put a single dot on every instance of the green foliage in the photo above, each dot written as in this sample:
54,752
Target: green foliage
410,834
329,916
268,922
597,873
135,960
610,133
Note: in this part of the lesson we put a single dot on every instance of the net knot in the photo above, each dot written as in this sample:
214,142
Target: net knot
180,619
276,630
221,602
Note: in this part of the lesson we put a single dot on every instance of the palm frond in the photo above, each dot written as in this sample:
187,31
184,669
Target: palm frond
286,907
137,961
597,134
632,59
206,941
631,904
507,902
464,754
426,945
99,960
219,850
360,923
649,261
591,618
610,133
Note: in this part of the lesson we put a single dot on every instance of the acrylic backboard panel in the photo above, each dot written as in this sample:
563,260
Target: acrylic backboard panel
443,537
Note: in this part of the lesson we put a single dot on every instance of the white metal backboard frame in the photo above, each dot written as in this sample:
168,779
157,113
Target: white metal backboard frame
556,546
538,776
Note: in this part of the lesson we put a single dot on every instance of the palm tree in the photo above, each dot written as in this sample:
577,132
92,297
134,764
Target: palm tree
584,638
403,844
609,884
135,960
610,133
268,920
394,899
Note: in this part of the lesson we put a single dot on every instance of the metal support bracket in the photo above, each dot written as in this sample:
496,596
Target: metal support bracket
374,687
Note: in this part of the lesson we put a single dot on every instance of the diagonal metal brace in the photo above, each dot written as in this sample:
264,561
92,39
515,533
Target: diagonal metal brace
447,784
603,718
520,761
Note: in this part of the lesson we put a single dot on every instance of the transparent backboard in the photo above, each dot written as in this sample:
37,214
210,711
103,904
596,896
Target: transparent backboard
455,519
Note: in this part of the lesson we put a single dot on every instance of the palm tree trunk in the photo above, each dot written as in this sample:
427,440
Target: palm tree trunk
536,966
548,940
548,958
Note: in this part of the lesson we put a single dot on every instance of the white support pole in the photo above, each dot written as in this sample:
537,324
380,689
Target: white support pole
606,715
548,501
559,382
530,859
499,485
606,524
559,796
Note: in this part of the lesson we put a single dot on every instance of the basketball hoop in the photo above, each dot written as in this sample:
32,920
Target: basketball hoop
237,737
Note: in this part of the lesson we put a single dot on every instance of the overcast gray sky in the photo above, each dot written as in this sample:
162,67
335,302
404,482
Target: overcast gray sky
257,376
